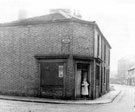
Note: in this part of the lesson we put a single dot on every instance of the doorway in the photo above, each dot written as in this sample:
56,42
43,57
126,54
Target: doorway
82,71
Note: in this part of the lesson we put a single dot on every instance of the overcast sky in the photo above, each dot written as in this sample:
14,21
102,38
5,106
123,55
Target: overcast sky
115,18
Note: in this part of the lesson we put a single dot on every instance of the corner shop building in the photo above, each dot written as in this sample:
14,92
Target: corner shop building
47,56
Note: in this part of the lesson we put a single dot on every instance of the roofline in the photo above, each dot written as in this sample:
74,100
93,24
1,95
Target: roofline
131,69
25,22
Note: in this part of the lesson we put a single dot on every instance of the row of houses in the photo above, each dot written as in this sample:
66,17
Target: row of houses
49,56
124,64
131,76
126,71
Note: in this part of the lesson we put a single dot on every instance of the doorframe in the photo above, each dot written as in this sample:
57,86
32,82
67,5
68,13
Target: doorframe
98,87
89,75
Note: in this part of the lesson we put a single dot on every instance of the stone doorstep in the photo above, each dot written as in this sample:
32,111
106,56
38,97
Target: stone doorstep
102,100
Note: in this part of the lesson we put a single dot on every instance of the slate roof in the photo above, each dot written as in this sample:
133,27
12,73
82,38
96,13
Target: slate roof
132,68
40,19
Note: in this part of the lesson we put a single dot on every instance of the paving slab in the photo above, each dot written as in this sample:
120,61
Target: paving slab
107,98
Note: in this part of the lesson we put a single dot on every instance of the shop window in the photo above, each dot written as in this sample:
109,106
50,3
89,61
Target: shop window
51,74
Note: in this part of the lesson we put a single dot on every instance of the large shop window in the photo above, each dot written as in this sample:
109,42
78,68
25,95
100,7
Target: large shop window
51,74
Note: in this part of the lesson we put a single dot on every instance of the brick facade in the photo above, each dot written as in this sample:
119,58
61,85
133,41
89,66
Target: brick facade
19,45
22,41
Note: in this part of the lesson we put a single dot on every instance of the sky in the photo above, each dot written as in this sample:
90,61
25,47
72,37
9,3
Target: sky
115,18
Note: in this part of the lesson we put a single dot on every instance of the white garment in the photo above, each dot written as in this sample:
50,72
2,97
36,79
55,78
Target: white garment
85,88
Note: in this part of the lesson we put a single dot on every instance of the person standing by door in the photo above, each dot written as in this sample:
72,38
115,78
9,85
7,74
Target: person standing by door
85,85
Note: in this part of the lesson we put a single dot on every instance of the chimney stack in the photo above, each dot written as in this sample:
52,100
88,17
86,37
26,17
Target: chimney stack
22,14
75,13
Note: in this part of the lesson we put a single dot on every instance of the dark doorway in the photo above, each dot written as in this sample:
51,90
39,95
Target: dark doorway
82,70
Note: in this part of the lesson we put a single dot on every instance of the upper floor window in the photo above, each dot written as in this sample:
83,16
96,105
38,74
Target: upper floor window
109,57
98,45
104,52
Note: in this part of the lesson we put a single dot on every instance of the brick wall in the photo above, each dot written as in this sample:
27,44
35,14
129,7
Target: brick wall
19,44
105,65
83,39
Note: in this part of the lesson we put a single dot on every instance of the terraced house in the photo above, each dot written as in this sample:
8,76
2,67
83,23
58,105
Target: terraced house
48,56
131,76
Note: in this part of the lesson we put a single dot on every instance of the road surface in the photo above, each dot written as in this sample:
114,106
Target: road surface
125,102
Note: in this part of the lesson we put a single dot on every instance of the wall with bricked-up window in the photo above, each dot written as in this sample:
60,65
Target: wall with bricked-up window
19,44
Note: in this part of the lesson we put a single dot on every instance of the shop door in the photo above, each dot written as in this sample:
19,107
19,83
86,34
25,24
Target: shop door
81,73
51,80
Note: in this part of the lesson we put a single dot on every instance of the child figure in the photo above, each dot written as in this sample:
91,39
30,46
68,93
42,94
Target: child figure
85,85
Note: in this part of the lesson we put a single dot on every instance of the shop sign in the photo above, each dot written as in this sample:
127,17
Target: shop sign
66,40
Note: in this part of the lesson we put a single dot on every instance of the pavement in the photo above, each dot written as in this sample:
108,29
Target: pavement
107,98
